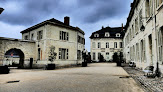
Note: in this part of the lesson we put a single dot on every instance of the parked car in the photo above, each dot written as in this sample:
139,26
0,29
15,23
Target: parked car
132,64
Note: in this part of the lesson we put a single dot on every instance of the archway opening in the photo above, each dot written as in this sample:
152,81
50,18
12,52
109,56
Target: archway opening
14,58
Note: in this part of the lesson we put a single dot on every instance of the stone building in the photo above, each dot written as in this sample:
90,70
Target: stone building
144,31
68,41
106,42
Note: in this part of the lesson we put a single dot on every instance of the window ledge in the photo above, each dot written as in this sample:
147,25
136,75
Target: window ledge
160,6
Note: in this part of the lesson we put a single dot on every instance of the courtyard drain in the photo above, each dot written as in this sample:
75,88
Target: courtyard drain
13,81
125,77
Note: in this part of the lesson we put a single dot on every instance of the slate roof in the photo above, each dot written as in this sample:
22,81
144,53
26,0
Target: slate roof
112,31
54,22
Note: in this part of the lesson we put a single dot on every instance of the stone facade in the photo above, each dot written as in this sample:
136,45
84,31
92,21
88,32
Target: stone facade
106,42
67,40
144,29
27,47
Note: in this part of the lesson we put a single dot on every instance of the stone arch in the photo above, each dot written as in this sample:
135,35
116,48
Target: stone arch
15,53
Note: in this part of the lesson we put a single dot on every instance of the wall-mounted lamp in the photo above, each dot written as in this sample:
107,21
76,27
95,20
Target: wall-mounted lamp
1,10
142,28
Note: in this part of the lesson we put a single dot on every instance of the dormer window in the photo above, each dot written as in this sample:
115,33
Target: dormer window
96,35
118,35
107,34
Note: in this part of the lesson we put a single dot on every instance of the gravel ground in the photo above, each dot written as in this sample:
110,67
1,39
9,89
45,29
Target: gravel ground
149,84
98,77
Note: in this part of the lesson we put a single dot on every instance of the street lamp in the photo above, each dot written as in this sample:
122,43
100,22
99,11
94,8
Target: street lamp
1,10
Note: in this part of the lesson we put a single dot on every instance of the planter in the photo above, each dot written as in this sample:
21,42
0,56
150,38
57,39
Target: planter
84,64
50,67
4,70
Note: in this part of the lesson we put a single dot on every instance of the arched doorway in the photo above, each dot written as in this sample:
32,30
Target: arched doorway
14,57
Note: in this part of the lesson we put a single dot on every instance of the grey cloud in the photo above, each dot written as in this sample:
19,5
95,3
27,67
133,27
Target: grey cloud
84,11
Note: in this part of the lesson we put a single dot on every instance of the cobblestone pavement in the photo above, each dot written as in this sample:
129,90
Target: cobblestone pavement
97,77
149,84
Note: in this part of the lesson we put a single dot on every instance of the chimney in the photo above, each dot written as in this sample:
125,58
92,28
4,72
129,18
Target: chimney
67,20
122,26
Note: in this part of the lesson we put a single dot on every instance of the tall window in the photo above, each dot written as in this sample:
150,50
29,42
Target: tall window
93,45
39,35
140,18
64,35
160,45
136,25
78,54
121,45
150,45
147,8
137,51
26,37
63,53
133,31
107,44
39,53
99,54
115,44
159,2
99,45
94,56
32,36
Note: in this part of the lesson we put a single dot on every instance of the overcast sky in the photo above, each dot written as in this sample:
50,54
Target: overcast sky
89,15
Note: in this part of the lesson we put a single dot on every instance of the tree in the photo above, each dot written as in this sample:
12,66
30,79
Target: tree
52,54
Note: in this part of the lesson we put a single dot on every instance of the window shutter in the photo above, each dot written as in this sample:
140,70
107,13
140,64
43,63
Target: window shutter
67,36
60,35
67,53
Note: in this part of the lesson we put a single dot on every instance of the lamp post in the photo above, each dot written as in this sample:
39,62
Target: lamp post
1,10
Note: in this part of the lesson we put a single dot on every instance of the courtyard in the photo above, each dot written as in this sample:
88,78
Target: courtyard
97,77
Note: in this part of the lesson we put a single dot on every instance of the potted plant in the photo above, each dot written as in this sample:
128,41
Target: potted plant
52,57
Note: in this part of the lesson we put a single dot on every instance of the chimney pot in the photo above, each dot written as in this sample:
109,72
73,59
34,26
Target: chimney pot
67,20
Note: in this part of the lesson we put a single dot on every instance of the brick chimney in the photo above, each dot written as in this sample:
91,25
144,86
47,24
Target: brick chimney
67,20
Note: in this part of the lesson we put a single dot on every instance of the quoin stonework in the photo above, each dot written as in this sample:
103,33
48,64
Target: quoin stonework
69,42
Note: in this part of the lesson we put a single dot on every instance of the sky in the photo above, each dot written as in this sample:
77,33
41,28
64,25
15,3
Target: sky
88,15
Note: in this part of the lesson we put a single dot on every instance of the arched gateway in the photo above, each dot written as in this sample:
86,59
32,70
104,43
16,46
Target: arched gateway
14,57
16,52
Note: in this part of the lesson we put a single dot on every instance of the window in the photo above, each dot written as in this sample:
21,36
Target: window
94,55
137,51
115,44
81,40
99,54
147,8
150,45
26,37
140,19
121,45
158,2
142,50
107,53
32,36
107,34
107,44
93,45
96,35
39,35
160,45
133,31
64,35
99,45
39,52
136,25
78,54
118,35
63,53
